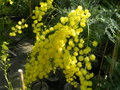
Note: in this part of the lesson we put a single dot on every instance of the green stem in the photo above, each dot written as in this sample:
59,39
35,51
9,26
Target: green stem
114,55
30,6
51,19
88,33
6,77
101,64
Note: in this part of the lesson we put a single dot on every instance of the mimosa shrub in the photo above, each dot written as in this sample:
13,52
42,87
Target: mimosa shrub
62,46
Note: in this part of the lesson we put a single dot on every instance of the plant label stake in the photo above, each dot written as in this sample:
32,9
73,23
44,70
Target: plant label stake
21,79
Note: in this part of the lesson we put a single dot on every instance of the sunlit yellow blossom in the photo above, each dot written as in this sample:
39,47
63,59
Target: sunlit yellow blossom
92,57
81,40
76,49
80,58
63,20
94,43
88,65
75,54
79,64
81,52
80,45
87,50
82,24
86,59
84,71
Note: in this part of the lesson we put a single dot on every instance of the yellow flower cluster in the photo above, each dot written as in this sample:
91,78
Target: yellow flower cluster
39,12
61,46
18,28
11,2
4,52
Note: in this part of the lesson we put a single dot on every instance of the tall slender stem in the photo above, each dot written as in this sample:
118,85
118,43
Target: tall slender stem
88,33
8,82
30,6
115,55
102,59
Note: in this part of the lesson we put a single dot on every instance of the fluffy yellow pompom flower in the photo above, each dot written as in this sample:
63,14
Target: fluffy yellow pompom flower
76,49
88,65
94,43
84,71
81,58
87,50
12,34
80,45
82,24
92,57
79,64
86,59
63,20
81,52
20,22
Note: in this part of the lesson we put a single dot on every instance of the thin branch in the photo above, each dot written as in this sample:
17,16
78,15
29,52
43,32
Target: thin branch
102,59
